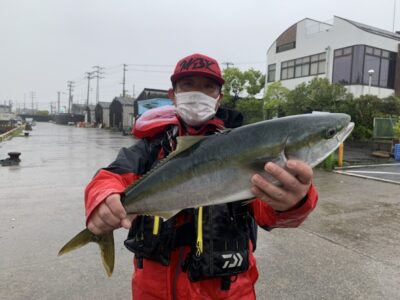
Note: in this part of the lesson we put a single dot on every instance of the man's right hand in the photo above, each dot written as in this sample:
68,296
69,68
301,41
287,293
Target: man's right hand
109,215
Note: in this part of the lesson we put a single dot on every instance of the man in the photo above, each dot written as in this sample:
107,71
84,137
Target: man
170,261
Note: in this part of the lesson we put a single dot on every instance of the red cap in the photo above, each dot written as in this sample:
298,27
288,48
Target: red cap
197,64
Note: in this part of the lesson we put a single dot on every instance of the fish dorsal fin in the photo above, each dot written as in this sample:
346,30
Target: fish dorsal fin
184,143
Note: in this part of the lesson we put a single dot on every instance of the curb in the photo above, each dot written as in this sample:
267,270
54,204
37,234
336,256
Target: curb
6,135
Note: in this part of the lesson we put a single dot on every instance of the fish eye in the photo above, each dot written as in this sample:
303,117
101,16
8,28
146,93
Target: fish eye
330,133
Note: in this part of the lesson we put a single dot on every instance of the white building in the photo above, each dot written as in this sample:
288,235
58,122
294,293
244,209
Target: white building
6,114
361,57
5,108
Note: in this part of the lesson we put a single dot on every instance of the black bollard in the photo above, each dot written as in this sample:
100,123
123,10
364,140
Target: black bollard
14,156
12,160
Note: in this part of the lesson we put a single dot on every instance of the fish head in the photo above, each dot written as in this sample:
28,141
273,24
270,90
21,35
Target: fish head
314,137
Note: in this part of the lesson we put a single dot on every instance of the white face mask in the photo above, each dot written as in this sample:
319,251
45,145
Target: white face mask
195,108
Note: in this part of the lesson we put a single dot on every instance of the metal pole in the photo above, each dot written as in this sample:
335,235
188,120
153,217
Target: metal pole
123,80
58,102
89,74
340,156
369,84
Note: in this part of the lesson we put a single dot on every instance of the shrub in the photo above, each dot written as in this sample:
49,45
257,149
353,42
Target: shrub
361,133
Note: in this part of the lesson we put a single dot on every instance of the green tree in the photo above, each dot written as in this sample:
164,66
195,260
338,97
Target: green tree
390,106
237,82
254,82
274,99
42,112
317,95
362,111
234,85
251,108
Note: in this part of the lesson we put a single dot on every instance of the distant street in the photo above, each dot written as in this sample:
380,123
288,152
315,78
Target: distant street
349,248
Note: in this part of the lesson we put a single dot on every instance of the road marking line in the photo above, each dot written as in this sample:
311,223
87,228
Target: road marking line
375,172
366,177
366,166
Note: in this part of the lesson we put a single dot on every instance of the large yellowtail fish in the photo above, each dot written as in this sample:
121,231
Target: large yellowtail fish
217,169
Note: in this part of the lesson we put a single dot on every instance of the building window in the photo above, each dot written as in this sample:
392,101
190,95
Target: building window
351,66
271,72
304,66
357,64
371,63
285,47
342,65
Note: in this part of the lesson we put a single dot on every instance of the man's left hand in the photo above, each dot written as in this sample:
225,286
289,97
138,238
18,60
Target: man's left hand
295,181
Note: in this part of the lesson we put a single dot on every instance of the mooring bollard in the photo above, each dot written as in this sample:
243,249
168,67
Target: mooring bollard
12,160
14,156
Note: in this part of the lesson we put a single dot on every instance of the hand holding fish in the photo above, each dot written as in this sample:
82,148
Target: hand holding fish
109,215
295,182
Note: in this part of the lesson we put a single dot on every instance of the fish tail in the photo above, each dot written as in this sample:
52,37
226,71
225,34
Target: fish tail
105,242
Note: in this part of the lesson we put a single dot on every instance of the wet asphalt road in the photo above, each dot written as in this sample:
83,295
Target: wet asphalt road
349,248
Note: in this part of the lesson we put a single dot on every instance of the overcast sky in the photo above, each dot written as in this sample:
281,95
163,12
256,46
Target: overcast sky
45,43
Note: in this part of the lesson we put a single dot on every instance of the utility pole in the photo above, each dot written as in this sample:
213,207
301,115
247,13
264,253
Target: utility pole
123,80
228,64
70,85
88,77
97,76
58,102
33,95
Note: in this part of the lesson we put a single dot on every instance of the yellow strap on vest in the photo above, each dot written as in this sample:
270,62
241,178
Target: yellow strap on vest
199,243
156,225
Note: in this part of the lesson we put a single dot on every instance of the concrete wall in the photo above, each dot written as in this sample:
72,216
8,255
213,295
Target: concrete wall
127,116
106,117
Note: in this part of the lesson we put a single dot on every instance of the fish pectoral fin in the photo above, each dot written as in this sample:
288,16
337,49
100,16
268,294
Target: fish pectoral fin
258,164
105,242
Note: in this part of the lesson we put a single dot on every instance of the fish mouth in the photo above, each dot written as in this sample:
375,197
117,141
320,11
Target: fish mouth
341,136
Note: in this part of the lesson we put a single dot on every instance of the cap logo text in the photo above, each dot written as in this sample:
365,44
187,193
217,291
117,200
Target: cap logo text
198,63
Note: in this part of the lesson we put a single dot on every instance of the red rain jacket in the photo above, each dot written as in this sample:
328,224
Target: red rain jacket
155,281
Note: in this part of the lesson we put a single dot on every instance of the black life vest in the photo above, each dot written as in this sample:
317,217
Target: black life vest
218,235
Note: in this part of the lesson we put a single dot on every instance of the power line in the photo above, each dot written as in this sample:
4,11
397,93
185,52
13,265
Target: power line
151,65
149,71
